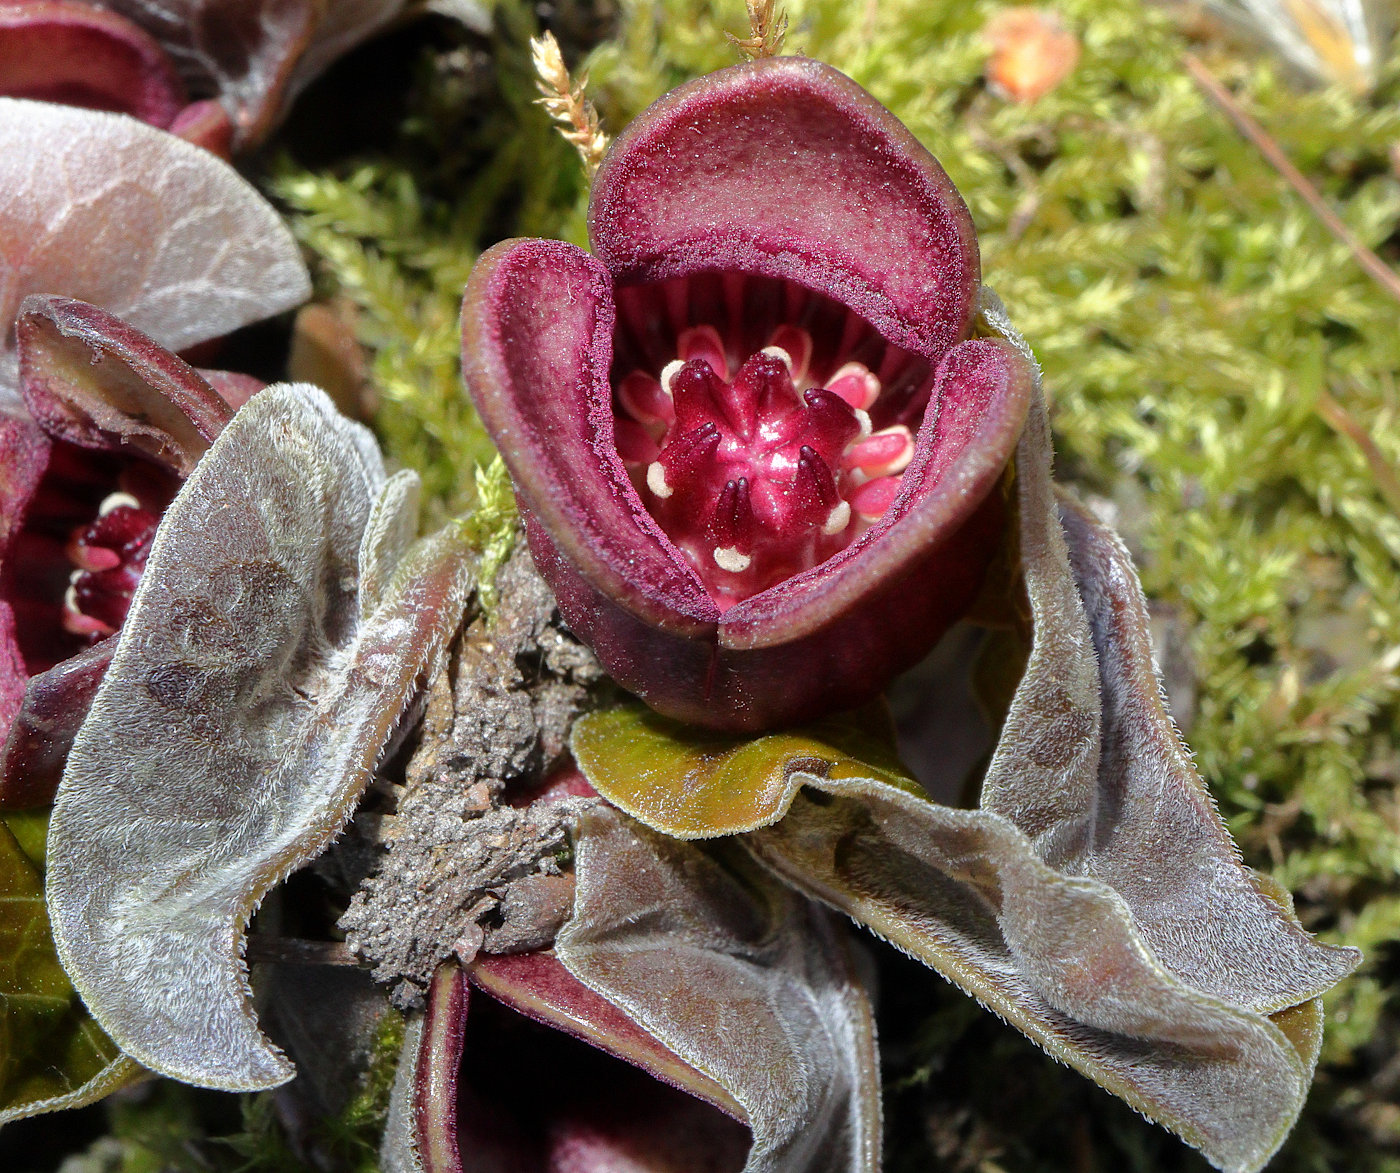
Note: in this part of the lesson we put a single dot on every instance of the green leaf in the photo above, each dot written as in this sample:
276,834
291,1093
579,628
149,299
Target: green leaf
694,784
52,1054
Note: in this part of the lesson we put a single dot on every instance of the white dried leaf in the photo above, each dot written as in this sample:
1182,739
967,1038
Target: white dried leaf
243,711
746,982
161,233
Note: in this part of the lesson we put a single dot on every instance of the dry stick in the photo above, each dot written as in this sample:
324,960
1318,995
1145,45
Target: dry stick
767,28
1342,421
298,951
1217,93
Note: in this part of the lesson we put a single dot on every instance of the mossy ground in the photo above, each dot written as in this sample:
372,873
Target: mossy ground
1192,317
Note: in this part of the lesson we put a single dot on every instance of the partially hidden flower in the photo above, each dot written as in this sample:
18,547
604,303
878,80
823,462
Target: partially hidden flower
756,440
518,1062
219,73
734,1031
121,422
99,421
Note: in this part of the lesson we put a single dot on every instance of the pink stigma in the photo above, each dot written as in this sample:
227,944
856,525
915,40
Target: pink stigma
757,473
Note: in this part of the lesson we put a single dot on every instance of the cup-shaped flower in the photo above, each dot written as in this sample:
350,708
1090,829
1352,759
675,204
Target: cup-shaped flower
115,423
756,440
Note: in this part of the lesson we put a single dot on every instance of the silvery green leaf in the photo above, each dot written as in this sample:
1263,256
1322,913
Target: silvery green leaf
153,229
246,704
1095,900
1091,768
744,981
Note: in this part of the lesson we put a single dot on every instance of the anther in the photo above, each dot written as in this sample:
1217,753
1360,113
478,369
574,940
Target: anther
837,520
656,480
116,501
669,372
728,558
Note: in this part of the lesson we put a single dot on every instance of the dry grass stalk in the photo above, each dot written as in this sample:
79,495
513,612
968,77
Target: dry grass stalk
564,101
767,28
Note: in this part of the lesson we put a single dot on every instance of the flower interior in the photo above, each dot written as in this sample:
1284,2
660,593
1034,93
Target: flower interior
765,426
83,547
534,1100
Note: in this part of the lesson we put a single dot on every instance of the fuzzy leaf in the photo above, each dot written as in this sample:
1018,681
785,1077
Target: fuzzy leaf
255,54
744,981
1090,767
244,708
243,51
171,240
693,784
52,1054
1095,901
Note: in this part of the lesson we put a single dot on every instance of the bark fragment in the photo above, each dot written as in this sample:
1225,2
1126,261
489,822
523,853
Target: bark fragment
478,855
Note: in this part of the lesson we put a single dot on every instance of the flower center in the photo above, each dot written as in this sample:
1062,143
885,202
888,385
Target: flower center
757,472
109,554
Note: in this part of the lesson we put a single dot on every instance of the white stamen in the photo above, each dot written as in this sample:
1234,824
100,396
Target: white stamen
863,419
730,559
116,501
70,600
780,353
669,372
656,480
837,519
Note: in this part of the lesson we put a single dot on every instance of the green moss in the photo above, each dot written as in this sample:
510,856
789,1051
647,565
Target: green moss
1189,311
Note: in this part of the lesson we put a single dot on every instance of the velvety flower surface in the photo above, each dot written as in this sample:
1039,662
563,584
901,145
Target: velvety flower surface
755,441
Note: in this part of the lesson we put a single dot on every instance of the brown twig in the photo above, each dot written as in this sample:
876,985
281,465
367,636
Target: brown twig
767,28
1343,422
296,951
1388,279
564,101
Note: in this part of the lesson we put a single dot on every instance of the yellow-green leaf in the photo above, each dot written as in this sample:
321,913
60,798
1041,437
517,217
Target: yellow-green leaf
52,1054
694,784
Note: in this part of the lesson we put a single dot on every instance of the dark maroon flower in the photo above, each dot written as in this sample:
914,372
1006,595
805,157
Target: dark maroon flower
755,436
219,73
545,1076
116,423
